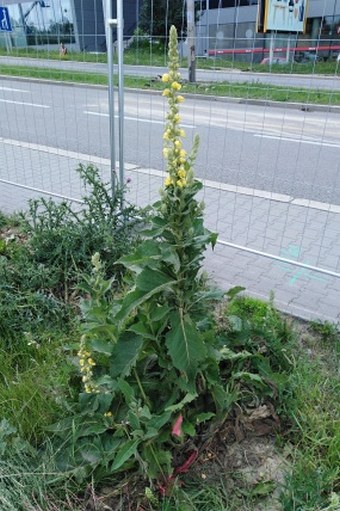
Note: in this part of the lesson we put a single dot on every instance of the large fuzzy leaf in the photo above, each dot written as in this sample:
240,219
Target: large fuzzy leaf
145,253
125,354
125,453
148,283
184,343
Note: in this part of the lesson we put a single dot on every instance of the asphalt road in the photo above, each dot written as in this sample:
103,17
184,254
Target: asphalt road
235,76
274,149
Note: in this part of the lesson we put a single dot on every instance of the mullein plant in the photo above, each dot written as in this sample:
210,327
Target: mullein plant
150,369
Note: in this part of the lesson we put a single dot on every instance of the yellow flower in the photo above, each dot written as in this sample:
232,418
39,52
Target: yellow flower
166,135
180,99
181,183
166,152
182,153
178,144
168,181
182,133
181,160
166,92
177,118
176,86
165,78
181,173
91,362
81,361
108,414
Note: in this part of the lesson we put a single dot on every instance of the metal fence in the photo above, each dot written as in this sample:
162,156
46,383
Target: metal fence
271,171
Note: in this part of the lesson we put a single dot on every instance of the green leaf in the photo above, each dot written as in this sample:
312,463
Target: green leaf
188,429
170,256
102,346
203,417
158,421
152,282
141,330
96,428
141,257
184,343
234,291
159,313
150,279
126,390
227,354
236,323
125,354
250,377
178,406
128,450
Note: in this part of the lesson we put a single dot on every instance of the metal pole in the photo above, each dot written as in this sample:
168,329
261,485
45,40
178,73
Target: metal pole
191,40
110,23
271,49
120,31
288,49
208,25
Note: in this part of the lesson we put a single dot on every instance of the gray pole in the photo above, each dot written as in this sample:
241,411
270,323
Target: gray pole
208,25
110,23
120,31
191,40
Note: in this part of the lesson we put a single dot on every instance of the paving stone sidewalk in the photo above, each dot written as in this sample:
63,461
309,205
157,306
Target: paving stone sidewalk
305,234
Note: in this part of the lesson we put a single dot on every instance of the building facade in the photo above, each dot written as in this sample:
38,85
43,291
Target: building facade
229,28
79,24
225,28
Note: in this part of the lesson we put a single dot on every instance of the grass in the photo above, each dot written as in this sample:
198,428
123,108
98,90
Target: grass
158,57
246,91
36,386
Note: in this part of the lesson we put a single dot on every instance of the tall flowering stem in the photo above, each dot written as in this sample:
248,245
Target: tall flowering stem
178,162
182,214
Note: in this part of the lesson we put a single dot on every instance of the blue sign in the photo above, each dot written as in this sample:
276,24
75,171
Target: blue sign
5,20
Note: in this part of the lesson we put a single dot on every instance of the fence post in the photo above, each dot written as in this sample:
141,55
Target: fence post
120,31
110,23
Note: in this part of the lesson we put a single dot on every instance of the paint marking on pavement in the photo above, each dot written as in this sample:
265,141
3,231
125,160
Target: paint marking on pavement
138,119
23,103
300,141
11,89
131,167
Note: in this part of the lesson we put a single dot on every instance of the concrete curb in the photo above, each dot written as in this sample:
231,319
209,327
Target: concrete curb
305,107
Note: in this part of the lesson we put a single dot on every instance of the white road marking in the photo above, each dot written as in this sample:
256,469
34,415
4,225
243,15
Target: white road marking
138,119
300,141
11,89
23,103
131,167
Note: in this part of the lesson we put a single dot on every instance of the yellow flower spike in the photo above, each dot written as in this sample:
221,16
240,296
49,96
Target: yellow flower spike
165,78
166,92
168,181
176,86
